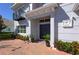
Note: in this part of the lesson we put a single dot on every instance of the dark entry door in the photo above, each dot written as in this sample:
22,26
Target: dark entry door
44,29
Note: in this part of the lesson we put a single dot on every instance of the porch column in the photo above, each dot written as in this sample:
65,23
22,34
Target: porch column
30,6
30,30
52,33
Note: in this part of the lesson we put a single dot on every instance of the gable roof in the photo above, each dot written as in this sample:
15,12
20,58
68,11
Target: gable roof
45,9
17,5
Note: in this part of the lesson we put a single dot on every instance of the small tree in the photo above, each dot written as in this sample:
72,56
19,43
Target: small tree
2,25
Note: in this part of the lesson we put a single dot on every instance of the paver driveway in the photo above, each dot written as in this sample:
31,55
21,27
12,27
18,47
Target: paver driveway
19,47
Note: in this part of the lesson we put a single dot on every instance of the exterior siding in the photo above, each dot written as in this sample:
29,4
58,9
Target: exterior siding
24,22
65,12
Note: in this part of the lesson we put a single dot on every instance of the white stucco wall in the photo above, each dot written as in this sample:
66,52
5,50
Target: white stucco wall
65,12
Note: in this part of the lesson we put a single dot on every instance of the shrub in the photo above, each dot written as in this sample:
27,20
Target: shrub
70,47
46,37
6,35
75,47
25,38
67,47
32,38
18,36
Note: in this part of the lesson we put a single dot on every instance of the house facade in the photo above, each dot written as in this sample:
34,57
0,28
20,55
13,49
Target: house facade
61,20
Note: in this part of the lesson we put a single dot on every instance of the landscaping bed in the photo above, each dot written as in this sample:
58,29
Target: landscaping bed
47,39
25,38
6,35
69,47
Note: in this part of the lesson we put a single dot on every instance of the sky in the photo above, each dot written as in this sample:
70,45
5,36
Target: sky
6,11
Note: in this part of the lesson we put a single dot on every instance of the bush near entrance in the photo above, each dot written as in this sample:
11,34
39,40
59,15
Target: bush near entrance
69,47
47,39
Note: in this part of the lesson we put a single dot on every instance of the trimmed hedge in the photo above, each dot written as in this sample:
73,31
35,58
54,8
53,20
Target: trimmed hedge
69,47
6,35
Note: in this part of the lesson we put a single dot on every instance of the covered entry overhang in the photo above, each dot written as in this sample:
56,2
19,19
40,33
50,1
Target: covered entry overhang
42,11
46,11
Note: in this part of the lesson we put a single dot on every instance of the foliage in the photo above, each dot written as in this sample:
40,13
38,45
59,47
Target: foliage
70,47
2,25
27,38
46,37
32,38
22,37
5,35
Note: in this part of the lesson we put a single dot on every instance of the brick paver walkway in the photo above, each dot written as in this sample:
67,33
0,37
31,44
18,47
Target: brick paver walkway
19,47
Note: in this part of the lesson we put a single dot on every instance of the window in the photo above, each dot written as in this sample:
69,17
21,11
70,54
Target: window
47,20
22,29
44,20
41,21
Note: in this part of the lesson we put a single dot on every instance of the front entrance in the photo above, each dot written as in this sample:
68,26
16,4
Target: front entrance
44,29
